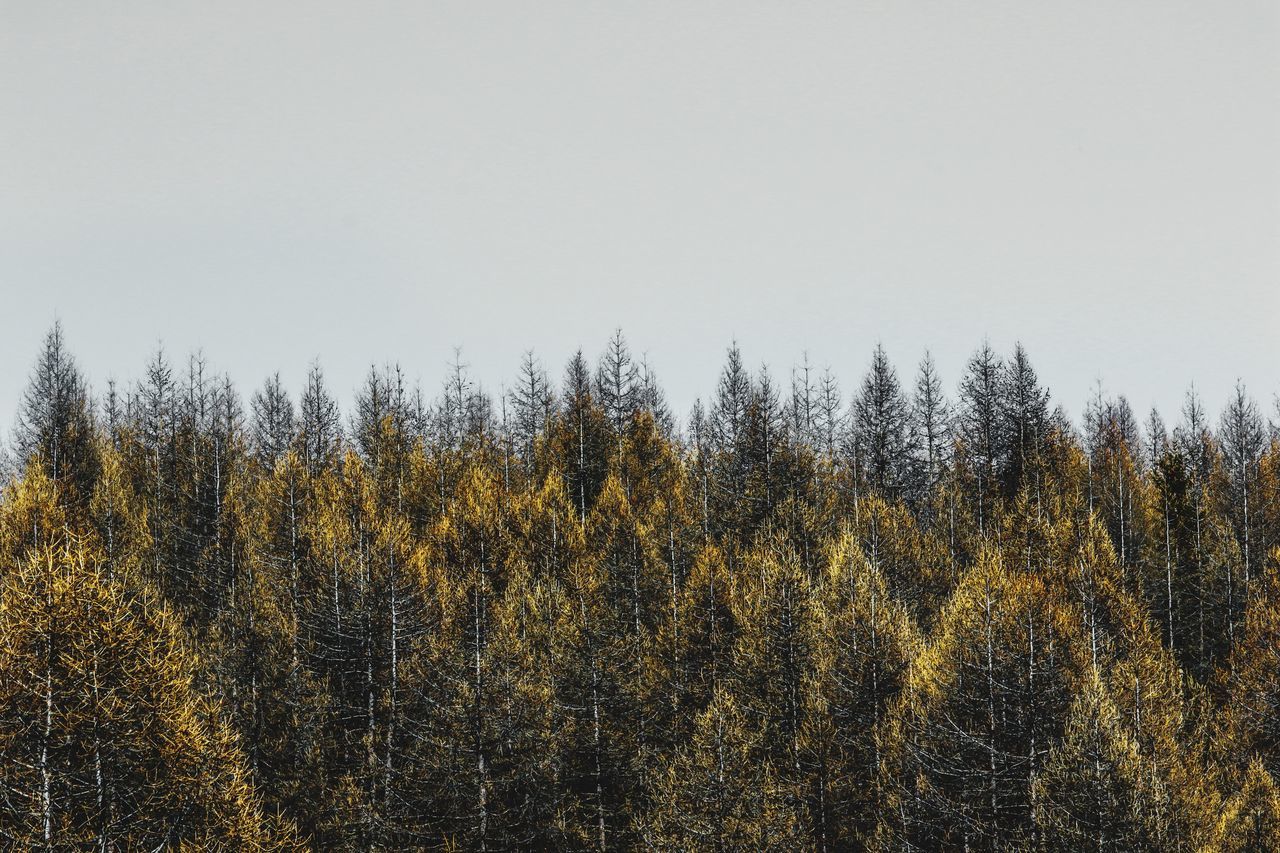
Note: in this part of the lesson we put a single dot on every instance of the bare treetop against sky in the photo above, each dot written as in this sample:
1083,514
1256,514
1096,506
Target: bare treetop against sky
380,181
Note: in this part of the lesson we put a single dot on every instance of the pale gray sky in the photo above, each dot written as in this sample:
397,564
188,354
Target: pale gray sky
365,182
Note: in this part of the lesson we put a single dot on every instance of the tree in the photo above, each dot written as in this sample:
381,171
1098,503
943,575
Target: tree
865,643
1243,438
107,743
982,706
598,737
55,423
1096,791
472,574
1250,686
319,427
580,439
831,418
532,403
931,438
653,399
803,409
978,427
570,627
273,421
881,428
720,793
618,384
1024,412
1250,819
116,516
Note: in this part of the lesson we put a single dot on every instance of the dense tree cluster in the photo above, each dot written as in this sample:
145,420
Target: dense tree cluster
908,620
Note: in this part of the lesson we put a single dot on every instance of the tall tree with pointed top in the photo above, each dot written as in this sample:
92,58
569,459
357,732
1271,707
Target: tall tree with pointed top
881,428
930,428
1243,438
978,426
55,425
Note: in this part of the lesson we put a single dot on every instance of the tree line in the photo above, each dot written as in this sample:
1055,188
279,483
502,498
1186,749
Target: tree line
897,617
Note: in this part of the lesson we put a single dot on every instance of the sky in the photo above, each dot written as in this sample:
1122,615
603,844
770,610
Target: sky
374,182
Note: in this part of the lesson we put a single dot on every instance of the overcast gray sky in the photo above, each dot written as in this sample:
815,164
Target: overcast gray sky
370,182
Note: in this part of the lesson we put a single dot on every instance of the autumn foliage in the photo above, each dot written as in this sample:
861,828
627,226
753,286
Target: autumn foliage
561,620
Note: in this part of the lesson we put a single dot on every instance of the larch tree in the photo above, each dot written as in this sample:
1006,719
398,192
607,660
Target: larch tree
1243,439
720,792
1024,413
881,434
319,426
567,623
931,430
108,743
273,421
1095,791
978,427
617,385
55,425
983,705
864,644
532,405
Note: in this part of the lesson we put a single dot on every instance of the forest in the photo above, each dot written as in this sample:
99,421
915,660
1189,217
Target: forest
909,614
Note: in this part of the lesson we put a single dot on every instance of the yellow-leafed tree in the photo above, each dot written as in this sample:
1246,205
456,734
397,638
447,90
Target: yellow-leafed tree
106,740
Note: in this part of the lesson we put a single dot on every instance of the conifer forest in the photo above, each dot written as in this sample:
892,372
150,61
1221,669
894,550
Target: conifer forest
894,611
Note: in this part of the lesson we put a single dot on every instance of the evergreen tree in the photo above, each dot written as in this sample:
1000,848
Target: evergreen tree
1095,791
983,705
720,793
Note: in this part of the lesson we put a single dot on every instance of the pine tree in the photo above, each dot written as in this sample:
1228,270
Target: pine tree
983,705
116,516
32,518
774,660
1250,686
653,400
1250,819
566,626
831,417
597,740
473,576
532,403
580,440
803,407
